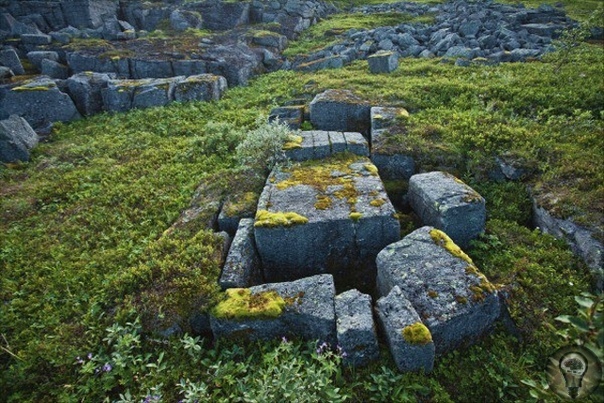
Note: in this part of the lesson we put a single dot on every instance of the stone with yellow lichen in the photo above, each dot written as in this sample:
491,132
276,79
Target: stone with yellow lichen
317,144
408,339
455,301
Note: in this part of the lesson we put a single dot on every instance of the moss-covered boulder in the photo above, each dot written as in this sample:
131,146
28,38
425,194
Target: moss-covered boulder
454,300
301,309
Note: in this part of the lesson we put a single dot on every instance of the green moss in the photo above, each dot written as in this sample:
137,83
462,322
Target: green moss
268,219
442,239
355,216
293,142
323,202
377,202
240,303
371,168
417,333
241,204
461,300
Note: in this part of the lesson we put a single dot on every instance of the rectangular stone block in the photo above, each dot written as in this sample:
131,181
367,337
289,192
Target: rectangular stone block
307,145
383,62
242,266
340,110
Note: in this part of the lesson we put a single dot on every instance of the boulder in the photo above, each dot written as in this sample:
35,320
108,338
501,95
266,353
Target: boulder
40,102
221,16
36,39
5,73
318,144
390,164
152,92
88,13
80,62
203,87
330,215
383,62
181,20
150,69
330,62
54,69
237,63
299,309
242,266
408,339
16,139
340,110
85,90
454,300
36,57
10,59
445,202
293,116
355,328
270,39
189,67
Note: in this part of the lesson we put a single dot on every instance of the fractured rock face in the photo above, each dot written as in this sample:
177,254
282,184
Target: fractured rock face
454,300
85,90
323,216
242,266
302,309
16,139
409,341
340,110
445,202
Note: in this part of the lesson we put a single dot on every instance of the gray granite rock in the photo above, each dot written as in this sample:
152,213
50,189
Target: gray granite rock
17,138
237,63
330,62
383,62
85,90
340,110
455,301
10,59
54,69
181,20
242,266
36,39
203,87
80,62
390,166
151,92
308,313
150,69
445,202
40,102
317,144
270,40
5,73
330,215
355,328
36,57
395,314
189,67
88,13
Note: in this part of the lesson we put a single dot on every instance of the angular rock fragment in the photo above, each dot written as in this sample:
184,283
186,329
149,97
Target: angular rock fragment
10,59
445,202
293,116
16,139
409,341
242,266
302,309
203,87
355,328
383,62
454,300
392,165
340,110
85,89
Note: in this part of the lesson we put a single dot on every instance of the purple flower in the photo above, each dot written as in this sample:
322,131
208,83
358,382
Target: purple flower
284,339
107,367
79,360
89,356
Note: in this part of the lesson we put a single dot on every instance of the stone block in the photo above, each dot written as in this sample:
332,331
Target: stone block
16,139
331,62
80,62
40,102
55,70
454,300
270,40
37,56
340,110
10,59
152,93
383,62
409,341
293,115
331,215
391,165
317,144
301,309
85,90
355,328
202,87
151,68
445,202
5,73
36,39
189,67
242,266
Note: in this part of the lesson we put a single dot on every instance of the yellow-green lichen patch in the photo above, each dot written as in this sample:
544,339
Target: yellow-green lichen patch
355,216
241,205
417,333
292,142
35,87
442,239
372,169
484,287
379,202
461,300
323,202
432,294
240,303
269,219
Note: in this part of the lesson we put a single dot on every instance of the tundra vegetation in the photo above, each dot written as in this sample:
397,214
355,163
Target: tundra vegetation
86,266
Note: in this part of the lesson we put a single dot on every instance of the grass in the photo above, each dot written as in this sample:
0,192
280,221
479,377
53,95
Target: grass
83,245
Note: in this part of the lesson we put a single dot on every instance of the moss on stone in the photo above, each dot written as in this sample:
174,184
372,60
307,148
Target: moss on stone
372,169
269,219
432,294
241,205
240,303
417,333
323,202
355,216
461,300
442,239
377,202
292,142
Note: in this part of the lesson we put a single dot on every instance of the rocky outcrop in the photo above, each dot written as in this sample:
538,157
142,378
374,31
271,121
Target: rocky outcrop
445,202
17,138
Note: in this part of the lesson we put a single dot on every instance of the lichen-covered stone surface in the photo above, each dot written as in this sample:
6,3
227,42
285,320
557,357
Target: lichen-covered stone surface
340,218
317,144
454,300
16,139
395,313
355,328
445,202
383,62
308,313
340,110
242,266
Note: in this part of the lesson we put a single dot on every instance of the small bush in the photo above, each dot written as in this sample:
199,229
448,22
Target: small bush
262,148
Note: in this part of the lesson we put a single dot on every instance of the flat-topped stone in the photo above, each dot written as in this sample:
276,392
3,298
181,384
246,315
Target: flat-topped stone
355,328
445,202
409,341
392,165
301,309
318,144
331,215
383,62
242,266
340,110
455,301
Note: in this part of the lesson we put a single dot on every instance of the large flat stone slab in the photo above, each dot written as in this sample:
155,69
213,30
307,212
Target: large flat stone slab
299,309
445,202
318,144
331,215
409,341
455,301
